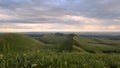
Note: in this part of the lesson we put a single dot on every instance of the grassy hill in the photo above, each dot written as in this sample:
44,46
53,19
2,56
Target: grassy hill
61,42
18,42
58,50
72,42
53,39
97,45
57,42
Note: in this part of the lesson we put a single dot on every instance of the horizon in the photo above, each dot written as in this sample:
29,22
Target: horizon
59,16
61,32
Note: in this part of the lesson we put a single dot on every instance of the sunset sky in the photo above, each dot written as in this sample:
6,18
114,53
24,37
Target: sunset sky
59,15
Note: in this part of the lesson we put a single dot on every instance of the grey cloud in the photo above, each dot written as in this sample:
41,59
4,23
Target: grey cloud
35,11
103,9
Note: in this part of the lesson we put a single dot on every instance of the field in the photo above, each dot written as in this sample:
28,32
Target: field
58,51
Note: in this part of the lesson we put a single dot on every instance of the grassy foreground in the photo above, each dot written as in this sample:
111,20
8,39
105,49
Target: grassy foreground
42,59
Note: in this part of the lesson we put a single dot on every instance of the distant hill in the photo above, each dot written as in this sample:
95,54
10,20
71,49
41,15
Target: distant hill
53,38
94,45
18,43
72,42
58,42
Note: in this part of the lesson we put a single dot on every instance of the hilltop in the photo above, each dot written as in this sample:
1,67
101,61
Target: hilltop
18,43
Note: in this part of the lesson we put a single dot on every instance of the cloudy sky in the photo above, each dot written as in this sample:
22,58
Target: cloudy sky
59,15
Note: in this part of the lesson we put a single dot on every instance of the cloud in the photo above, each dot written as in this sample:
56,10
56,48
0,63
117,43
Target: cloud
5,17
76,15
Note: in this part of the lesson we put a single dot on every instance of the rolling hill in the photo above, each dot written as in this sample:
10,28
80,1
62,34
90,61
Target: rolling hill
93,45
18,43
72,42
19,51
57,42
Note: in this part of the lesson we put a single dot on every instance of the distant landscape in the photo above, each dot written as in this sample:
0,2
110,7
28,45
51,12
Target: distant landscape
59,33
63,50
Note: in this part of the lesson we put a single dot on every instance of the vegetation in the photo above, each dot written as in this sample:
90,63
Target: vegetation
18,43
72,42
48,59
58,51
94,45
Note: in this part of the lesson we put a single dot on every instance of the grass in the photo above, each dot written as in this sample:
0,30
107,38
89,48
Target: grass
93,46
58,51
86,44
18,43
49,59
53,39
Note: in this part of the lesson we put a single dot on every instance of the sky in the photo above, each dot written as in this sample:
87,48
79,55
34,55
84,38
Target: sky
59,15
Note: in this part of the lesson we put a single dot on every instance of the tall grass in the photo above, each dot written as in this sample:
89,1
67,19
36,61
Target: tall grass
47,59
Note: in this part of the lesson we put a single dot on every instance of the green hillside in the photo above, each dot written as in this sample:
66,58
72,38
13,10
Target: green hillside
60,42
58,50
97,45
18,42
53,39
72,42
57,42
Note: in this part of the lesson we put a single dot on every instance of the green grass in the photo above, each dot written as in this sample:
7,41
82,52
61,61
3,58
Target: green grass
21,43
57,42
53,39
47,59
81,44
18,43
56,51
91,45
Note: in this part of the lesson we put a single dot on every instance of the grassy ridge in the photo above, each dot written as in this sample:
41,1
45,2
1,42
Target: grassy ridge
18,43
81,44
93,46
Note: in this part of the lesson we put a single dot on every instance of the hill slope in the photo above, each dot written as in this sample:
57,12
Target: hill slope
60,42
93,45
72,42
18,42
